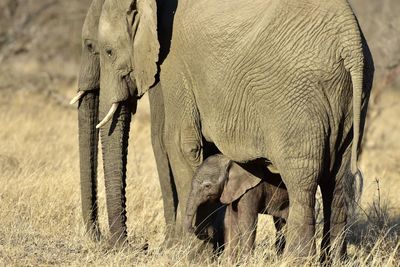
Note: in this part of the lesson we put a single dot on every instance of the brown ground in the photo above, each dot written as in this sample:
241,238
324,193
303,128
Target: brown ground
40,221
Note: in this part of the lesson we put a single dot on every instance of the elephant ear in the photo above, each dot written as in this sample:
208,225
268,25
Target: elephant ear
145,45
239,182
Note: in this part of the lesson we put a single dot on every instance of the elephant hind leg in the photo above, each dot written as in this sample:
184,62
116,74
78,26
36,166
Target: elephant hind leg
301,222
301,179
335,212
327,194
280,240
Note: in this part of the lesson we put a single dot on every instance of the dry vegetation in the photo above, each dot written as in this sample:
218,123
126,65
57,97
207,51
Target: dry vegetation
40,220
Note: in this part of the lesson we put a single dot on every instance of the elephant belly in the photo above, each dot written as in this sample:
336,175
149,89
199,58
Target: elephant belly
237,140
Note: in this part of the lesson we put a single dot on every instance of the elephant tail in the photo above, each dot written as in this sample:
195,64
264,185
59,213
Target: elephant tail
357,80
354,183
355,63
359,63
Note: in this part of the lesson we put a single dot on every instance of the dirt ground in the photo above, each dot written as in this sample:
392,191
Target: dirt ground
40,217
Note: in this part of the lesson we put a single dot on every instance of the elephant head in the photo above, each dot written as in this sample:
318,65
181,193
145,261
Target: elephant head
88,97
128,50
217,178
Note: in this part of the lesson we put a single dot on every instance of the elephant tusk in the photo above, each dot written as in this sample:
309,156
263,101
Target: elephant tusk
109,115
77,97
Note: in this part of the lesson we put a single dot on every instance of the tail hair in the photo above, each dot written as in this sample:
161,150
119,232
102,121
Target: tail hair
353,186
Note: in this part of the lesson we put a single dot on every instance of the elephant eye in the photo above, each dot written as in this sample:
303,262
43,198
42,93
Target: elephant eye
90,47
207,186
109,52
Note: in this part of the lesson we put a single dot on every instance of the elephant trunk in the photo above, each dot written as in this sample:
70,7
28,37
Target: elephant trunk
88,143
114,139
193,203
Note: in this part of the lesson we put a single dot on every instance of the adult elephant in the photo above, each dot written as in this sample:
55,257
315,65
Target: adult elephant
280,80
115,140
88,97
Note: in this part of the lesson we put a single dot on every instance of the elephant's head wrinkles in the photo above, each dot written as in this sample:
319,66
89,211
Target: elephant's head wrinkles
128,45
89,74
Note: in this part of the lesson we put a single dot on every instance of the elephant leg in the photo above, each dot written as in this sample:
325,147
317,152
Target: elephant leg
327,193
280,241
231,233
301,179
88,149
183,141
301,222
247,221
184,144
335,212
338,223
167,184
183,173
301,165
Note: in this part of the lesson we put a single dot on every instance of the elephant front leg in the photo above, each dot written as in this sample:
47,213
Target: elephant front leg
231,233
183,141
185,155
167,184
247,218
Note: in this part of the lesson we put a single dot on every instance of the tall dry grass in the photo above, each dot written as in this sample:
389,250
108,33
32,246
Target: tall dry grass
40,220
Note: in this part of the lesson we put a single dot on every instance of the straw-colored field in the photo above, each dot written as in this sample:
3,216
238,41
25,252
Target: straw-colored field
40,221
40,210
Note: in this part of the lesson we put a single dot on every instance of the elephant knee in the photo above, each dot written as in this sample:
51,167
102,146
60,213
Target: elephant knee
192,152
186,145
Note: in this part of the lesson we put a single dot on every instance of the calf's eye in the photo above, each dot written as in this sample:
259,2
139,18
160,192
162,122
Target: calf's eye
207,186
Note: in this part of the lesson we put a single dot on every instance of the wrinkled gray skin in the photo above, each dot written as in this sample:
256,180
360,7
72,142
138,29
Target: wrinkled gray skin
119,56
247,191
114,145
285,81
89,81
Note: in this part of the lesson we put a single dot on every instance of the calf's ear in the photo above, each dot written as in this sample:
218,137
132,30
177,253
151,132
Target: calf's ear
239,181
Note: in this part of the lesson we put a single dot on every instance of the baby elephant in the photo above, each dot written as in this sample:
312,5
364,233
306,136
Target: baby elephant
247,190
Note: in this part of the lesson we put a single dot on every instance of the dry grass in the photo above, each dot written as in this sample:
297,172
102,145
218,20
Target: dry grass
40,221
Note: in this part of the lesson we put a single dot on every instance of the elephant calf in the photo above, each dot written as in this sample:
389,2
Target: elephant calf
247,191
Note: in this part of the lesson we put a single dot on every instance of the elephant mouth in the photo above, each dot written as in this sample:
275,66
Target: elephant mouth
130,84
213,197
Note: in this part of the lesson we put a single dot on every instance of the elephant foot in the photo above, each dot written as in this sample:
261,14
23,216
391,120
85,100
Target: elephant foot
94,234
168,243
124,244
117,241
170,238
200,250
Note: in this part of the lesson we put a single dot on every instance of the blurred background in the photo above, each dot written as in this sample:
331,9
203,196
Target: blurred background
40,220
40,41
